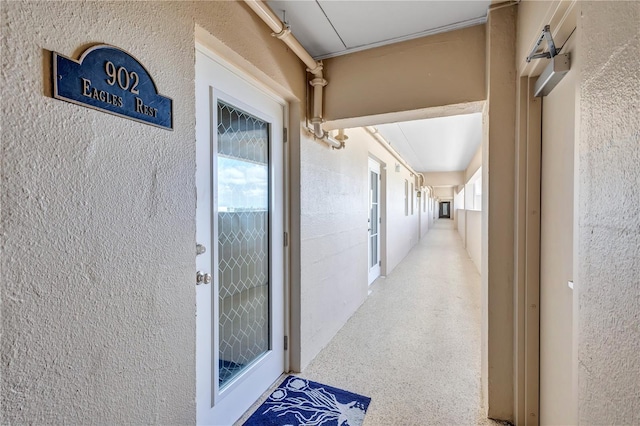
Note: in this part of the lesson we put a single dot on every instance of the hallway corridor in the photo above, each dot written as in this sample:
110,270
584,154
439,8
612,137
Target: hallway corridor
414,345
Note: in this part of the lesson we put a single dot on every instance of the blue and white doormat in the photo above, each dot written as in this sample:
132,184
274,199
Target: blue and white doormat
298,402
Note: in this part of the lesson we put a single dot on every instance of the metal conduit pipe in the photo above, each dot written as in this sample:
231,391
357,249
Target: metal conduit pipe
282,31
318,84
374,132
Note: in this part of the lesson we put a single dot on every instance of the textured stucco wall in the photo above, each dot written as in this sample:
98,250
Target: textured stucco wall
98,215
608,267
97,228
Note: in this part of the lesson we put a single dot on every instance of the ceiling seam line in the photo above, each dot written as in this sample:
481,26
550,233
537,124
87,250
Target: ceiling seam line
331,23
412,36
408,143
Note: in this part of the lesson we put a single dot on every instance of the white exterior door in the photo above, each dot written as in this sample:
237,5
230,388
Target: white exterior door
374,220
240,221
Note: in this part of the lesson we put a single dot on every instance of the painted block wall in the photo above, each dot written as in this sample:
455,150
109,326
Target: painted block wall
334,238
402,230
334,212
98,214
423,205
474,236
608,233
461,225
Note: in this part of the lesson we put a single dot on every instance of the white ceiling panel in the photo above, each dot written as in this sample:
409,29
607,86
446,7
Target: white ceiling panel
443,144
334,27
364,23
309,25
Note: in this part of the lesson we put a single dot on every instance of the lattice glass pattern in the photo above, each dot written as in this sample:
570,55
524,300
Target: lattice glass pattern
243,240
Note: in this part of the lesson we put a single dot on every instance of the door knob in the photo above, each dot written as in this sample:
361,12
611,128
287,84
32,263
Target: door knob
202,278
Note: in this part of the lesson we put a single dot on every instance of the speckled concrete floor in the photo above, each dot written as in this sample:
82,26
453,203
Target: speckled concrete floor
414,345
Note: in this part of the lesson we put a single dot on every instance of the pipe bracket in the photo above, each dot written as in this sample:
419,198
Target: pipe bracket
341,136
339,147
286,30
317,70
318,82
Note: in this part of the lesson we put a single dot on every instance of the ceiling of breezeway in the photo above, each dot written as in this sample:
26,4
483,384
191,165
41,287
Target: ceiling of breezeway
443,144
329,28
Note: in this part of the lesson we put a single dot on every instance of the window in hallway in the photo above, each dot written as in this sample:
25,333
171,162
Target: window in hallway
412,194
473,192
406,197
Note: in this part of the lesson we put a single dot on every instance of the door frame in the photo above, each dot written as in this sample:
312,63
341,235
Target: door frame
218,52
441,208
563,17
527,254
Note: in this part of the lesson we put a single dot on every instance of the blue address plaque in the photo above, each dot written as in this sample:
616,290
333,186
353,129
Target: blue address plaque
109,79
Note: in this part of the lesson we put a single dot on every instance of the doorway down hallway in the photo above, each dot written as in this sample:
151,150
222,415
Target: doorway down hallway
414,345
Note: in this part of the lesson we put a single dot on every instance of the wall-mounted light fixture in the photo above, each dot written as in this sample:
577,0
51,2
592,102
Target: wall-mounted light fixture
558,67
397,168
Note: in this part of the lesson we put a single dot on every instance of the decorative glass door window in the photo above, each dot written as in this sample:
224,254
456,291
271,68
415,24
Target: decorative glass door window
243,240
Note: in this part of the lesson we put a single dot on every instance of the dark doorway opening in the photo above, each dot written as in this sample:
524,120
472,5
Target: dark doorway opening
445,210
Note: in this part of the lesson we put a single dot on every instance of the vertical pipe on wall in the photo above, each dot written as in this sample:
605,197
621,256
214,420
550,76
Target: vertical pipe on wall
318,84
283,32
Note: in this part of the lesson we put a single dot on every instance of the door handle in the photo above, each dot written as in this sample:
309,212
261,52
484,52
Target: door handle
202,278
